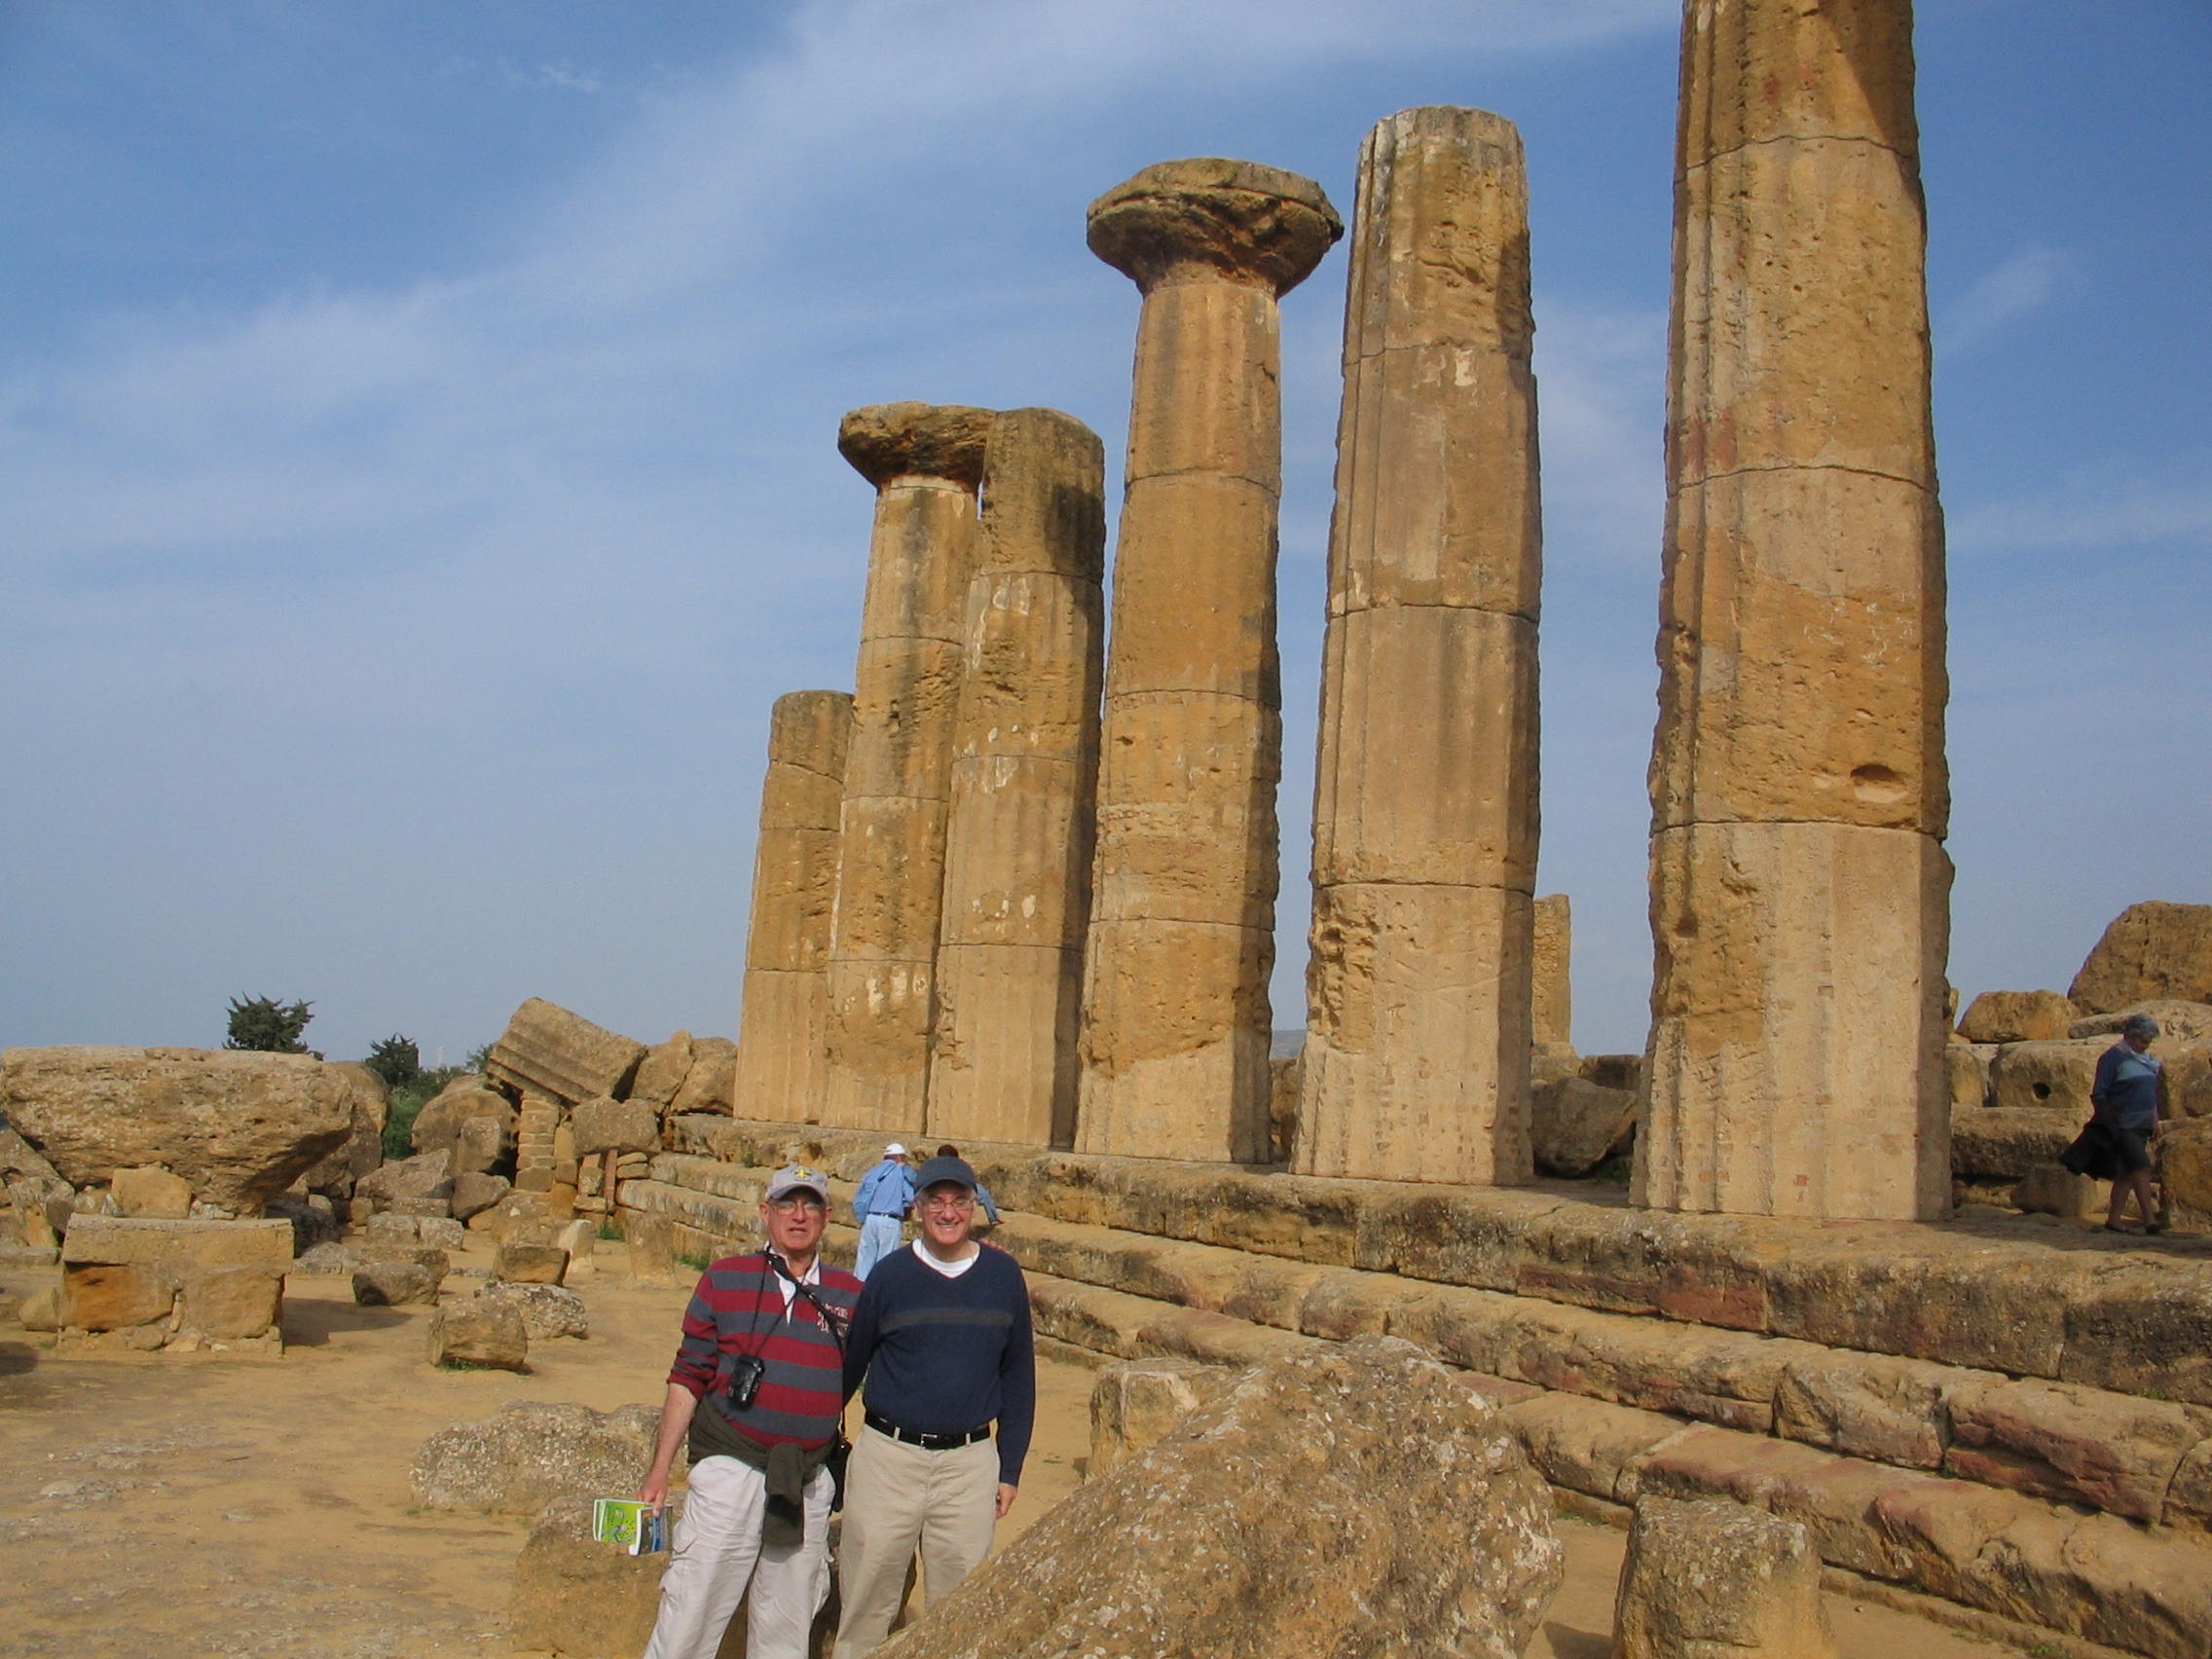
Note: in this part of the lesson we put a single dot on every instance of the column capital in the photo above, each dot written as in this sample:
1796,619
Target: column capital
929,440
1238,220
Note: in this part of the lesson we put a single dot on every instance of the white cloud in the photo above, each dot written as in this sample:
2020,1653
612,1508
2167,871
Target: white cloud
2098,508
2021,286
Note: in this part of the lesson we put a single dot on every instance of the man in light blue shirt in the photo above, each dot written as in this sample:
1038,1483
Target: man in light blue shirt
886,1193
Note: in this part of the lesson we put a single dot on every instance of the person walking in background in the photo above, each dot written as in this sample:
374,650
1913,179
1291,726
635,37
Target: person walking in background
886,1193
2125,1099
756,1390
982,1192
942,1340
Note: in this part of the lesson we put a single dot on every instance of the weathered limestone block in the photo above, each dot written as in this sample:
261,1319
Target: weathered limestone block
548,1050
1589,1445
474,1193
614,1126
1873,1406
1138,1402
2051,1077
426,1177
1551,1003
584,1600
1713,1579
481,1145
2007,1143
518,1262
363,1149
1286,1081
1425,830
1417,1526
217,1280
2018,1016
149,1194
1191,729
1785,1078
661,1073
2052,1189
2153,949
1966,1069
2185,1164
532,1452
439,1123
396,1284
925,463
237,1128
548,1310
710,1084
2078,1445
1799,790
1024,772
2178,1020
1575,1125
781,1025
482,1333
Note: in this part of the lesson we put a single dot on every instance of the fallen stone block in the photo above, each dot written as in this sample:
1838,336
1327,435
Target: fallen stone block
485,1334
2052,1076
426,1176
396,1284
1136,1402
1576,1125
661,1073
548,1050
710,1085
2018,1016
519,1263
2150,950
581,1598
473,1194
547,1310
362,1149
515,1462
237,1128
601,1126
462,1101
1350,1500
149,1194
1715,1580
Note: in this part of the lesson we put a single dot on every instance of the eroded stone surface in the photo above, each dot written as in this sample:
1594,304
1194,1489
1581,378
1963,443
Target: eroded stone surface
2153,949
2018,1016
547,1051
532,1452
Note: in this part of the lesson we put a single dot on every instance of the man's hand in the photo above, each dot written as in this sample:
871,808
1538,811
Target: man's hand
1006,1499
655,1491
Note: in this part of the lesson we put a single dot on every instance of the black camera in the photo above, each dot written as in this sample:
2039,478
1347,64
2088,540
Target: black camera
745,1373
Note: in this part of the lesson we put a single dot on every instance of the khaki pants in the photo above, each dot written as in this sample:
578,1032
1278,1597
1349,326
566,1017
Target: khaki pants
718,1551
899,1498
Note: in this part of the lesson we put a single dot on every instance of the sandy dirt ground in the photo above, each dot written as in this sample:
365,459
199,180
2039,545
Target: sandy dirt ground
153,1508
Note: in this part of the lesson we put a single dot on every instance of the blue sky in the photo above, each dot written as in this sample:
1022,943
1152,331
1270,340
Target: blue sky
416,453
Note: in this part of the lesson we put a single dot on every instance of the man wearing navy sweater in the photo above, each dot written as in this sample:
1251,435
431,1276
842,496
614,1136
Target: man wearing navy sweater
941,1335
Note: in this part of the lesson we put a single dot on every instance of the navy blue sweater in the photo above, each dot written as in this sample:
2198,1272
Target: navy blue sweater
944,1355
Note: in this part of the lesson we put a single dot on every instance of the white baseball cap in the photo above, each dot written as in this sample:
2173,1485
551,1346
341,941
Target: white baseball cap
895,1150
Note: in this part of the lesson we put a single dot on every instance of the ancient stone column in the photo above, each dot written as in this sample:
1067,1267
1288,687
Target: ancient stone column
925,463
1175,1016
1799,887
1551,981
1024,784
781,1026
1425,816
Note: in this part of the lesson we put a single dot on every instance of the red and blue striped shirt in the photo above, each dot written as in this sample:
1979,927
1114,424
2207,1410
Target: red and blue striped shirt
739,1308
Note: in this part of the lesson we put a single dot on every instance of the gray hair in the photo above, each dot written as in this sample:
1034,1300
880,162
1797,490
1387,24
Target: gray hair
2139,1025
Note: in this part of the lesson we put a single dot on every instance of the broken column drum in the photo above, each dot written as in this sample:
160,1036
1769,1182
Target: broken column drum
1799,887
925,461
1425,816
795,887
1175,1015
1025,779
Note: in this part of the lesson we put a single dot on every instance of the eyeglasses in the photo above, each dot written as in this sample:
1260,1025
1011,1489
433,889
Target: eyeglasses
791,1203
951,1206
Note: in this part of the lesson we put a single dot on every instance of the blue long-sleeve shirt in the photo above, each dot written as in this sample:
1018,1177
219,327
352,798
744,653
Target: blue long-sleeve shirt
886,1190
2127,1089
944,1355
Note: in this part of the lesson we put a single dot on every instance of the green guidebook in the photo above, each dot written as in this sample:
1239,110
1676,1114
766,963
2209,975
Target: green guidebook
636,1527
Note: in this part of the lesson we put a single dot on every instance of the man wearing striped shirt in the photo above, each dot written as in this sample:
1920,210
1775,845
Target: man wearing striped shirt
758,1390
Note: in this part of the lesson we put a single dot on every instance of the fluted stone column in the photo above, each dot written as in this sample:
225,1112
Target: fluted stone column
1024,784
1425,817
1175,1012
925,461
795,886
1551,982
1799,887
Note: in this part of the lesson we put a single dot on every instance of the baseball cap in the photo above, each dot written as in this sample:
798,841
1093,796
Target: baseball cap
797,1178
941,1169
895,1150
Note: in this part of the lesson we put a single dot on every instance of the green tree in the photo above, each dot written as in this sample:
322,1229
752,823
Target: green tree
396,1059
267,1026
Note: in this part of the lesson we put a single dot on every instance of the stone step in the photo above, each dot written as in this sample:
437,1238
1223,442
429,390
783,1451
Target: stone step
2148,1460
2030,1297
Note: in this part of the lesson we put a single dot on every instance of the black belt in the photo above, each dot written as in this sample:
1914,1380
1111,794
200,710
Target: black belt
927,1442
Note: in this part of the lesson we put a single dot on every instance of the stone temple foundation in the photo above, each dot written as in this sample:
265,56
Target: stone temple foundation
1176,1011
1425,817
1799,887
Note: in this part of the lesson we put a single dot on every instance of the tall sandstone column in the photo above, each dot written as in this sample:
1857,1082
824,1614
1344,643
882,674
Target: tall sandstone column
925,461
1175,1012
795,886
1799,887
1425,816
1024,784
